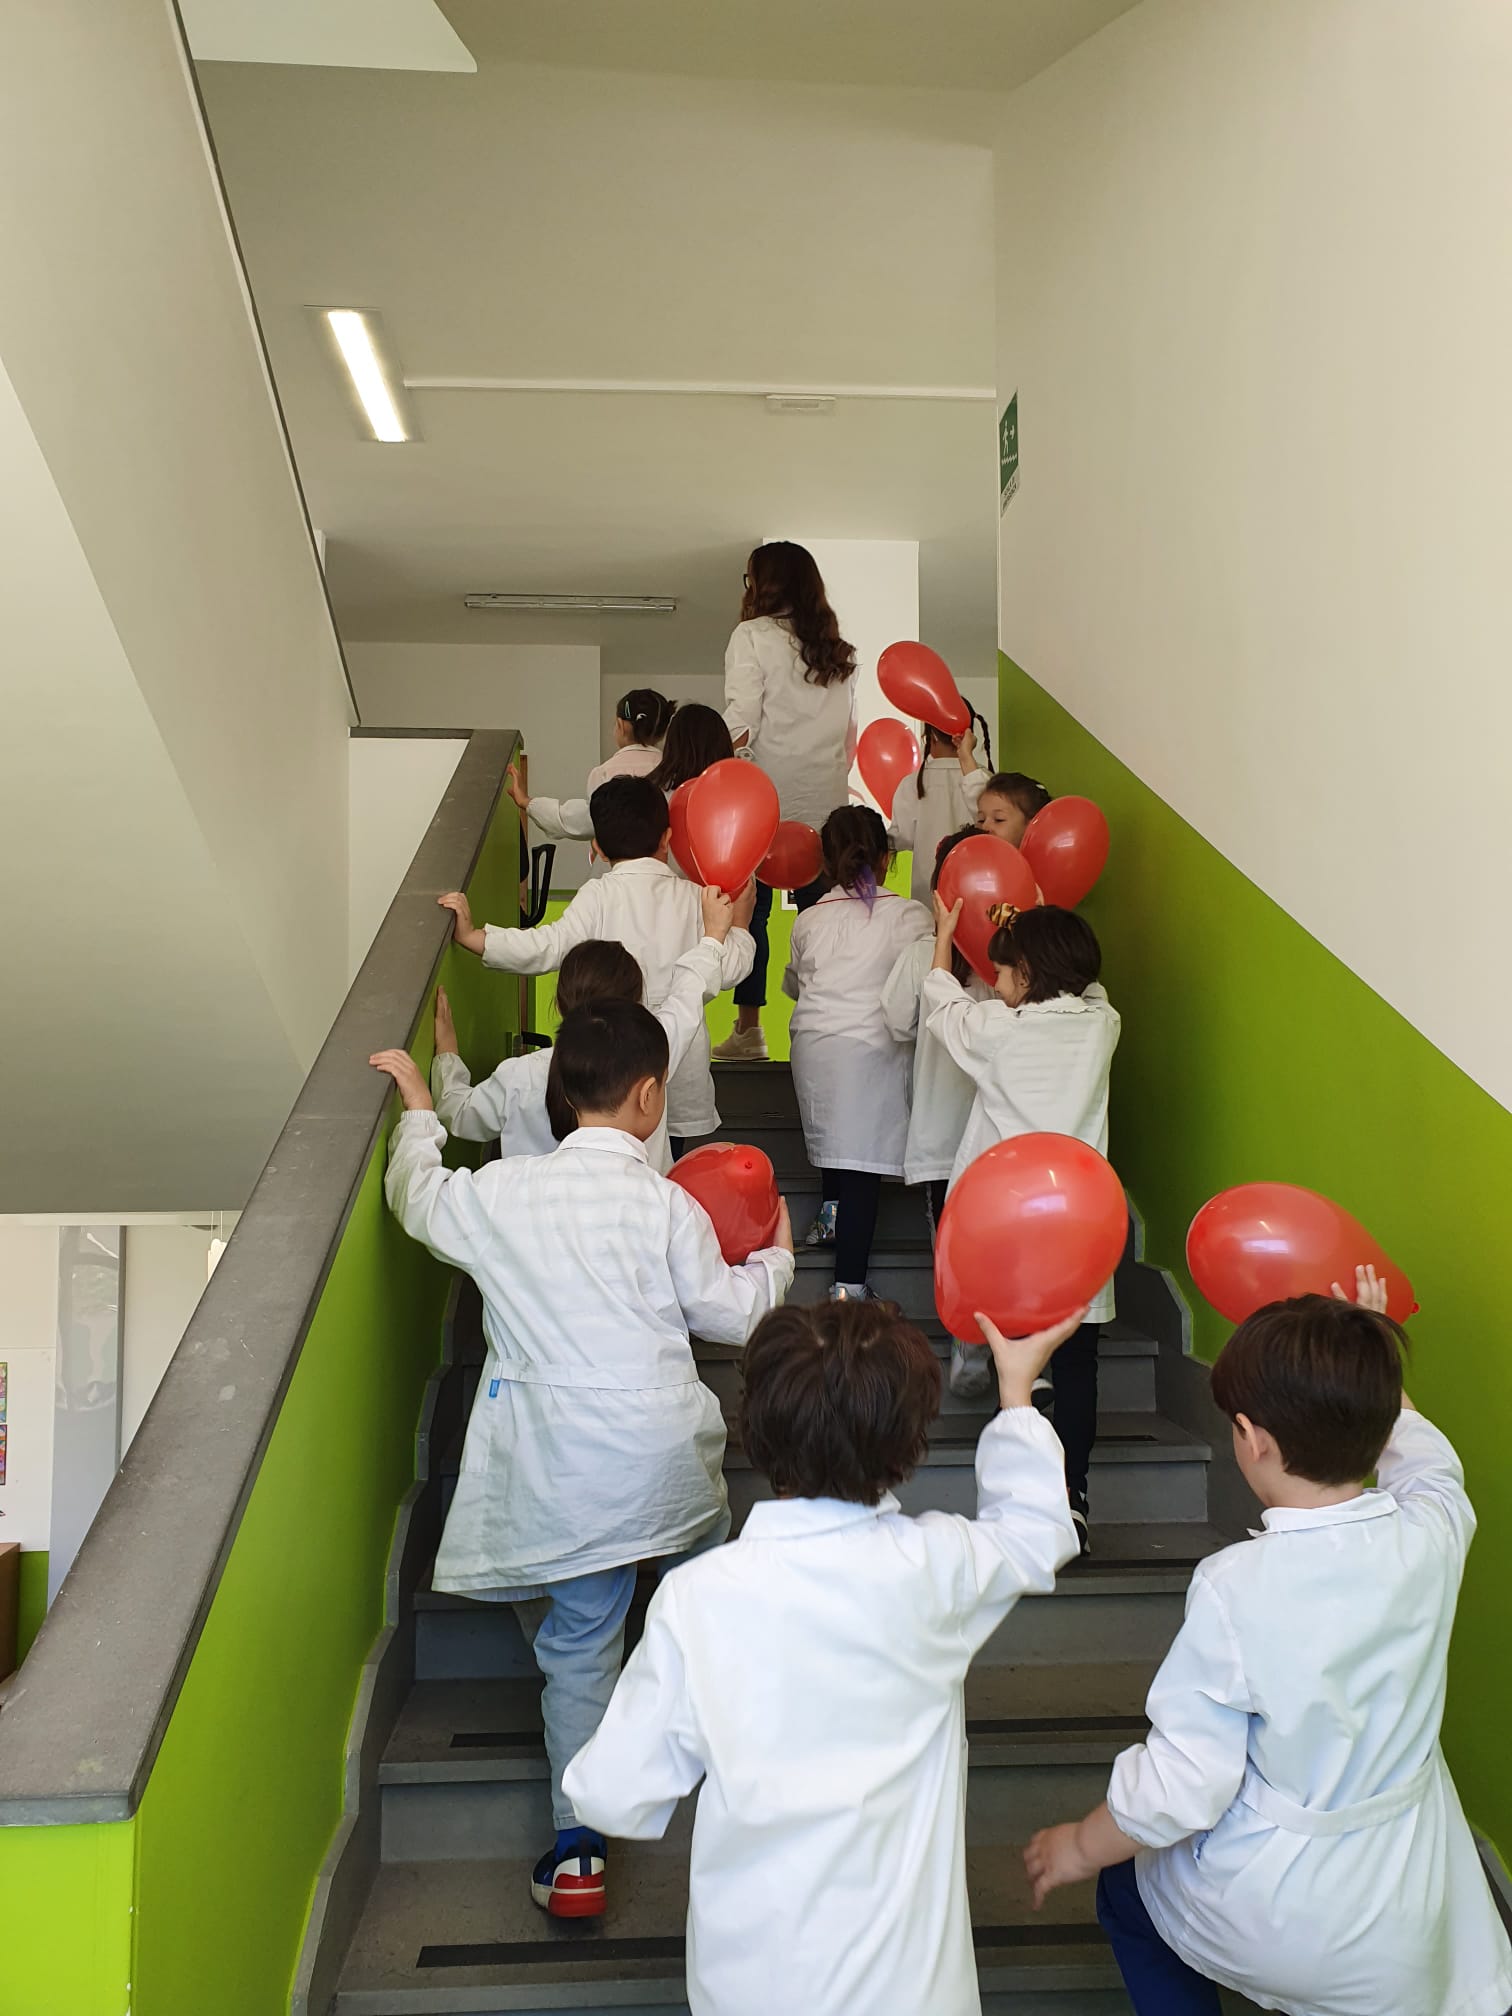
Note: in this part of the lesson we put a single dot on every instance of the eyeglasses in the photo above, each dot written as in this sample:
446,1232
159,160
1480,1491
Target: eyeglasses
746,580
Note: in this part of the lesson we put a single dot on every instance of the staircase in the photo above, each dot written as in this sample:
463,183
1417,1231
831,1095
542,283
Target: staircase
448,1928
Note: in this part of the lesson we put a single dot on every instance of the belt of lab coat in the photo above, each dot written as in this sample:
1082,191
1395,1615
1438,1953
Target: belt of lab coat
1264,1799
528,1372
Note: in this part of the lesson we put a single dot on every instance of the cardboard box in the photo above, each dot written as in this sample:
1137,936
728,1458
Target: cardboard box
10,1604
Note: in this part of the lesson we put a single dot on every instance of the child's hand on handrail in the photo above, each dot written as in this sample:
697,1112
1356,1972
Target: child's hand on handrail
466,934
405,1072
516,789
446,1028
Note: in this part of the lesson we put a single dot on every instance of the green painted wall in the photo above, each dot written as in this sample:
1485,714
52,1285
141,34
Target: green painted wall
33,1602
1248,1052
65,1920
246,1791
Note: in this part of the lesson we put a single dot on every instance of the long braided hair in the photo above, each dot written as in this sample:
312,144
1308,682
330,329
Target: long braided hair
929,735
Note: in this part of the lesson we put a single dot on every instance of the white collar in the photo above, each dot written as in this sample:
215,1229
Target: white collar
838,895
605,1141
645,864
1300,1518
803,1518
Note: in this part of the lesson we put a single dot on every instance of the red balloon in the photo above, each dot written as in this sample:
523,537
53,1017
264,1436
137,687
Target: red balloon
737,1188
918,681
1066,844
682,847
984,871
1030,1231
887,752
794,859
732,821
1264,1242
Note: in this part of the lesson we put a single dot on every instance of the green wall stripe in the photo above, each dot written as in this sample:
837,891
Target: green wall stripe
1249,1051
33,1598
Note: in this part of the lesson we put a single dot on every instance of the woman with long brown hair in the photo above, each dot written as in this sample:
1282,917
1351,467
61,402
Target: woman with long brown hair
789,698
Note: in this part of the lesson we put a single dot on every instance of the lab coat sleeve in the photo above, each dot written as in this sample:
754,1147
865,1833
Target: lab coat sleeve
437,1206
744,686
645,1755
900,996
720,1303
973,784
695,979
1186,1775
1022,1532
543,947
738,956
562,818
905,813
1421,1471
970,1030
471,1112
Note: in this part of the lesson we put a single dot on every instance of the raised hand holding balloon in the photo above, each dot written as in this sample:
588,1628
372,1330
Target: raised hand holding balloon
984,874
736,1185
1030,1231
1265,1242
732,819
887,753
919,682
1066,845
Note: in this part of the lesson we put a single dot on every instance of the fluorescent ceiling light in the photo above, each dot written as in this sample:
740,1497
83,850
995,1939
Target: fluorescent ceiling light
639,605
376,378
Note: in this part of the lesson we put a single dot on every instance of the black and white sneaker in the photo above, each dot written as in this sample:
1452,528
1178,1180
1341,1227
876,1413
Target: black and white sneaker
970,1370
1043,1396
1080,1521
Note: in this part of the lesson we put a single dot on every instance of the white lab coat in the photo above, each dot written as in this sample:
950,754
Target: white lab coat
592,1442
510,1104
811,1673
850,1072
949,801
798,729
942,1093
1310,1850
656,916
1039,1069
569,818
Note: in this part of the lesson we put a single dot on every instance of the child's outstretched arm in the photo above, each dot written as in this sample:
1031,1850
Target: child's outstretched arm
437,1208
471,1112
542,948
1184,1777
645,1754
721,1303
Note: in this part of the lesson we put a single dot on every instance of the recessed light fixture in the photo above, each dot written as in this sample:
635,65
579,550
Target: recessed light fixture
799,402
635,605
373,375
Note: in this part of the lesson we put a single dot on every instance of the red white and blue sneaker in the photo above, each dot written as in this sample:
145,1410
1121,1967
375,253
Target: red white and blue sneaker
568,1881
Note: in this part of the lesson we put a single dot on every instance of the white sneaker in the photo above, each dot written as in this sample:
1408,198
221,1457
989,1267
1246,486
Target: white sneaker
851,1291
970,1370
822,1231
742,1046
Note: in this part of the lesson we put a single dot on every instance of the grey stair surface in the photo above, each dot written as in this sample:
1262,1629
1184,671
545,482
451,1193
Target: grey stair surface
463,1788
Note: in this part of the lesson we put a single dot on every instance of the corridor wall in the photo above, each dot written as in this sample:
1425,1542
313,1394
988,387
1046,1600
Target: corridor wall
1255,299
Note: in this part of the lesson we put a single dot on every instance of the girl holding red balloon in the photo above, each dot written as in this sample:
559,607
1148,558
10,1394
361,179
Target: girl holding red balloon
1039,1054
942,797
850,1072
789,695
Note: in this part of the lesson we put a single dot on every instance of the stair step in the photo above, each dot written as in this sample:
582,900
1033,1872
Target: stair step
463,1939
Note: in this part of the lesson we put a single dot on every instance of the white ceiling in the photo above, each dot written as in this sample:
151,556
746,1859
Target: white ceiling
551,221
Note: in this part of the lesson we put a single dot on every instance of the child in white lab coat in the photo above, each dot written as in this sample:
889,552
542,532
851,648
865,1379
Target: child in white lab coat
1039,1053
649,908
642,719
509,1106
592,1445
850,1072
1007,802
1298,1835
811,1674
943,795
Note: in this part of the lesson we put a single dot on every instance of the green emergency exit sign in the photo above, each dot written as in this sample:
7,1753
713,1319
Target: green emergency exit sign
1008,453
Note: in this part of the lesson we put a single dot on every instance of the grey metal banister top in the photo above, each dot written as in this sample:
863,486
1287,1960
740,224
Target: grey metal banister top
88,1711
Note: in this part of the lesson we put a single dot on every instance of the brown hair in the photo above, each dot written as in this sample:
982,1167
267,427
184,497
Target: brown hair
648,713
1055,950
838,1399
1027,793
601,1053
855,846
1323,1377
629,818
958,962
600,969
698,737
783,580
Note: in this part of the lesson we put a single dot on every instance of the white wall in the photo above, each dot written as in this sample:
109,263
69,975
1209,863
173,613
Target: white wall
166,1269
549,692
28,1348
396,784
1255,295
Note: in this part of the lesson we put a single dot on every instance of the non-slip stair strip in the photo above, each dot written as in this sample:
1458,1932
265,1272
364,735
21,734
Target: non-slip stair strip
566,1947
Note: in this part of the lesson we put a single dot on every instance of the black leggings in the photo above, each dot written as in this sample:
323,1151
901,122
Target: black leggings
751,992
855,1193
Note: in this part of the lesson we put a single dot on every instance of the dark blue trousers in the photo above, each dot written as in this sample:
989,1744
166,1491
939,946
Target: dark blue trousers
1159,1981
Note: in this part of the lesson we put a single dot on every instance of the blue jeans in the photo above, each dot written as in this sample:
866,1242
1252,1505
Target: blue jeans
1159,1981
580,1647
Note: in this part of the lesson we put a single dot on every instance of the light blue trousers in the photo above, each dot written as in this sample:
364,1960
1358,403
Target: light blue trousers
578,1629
